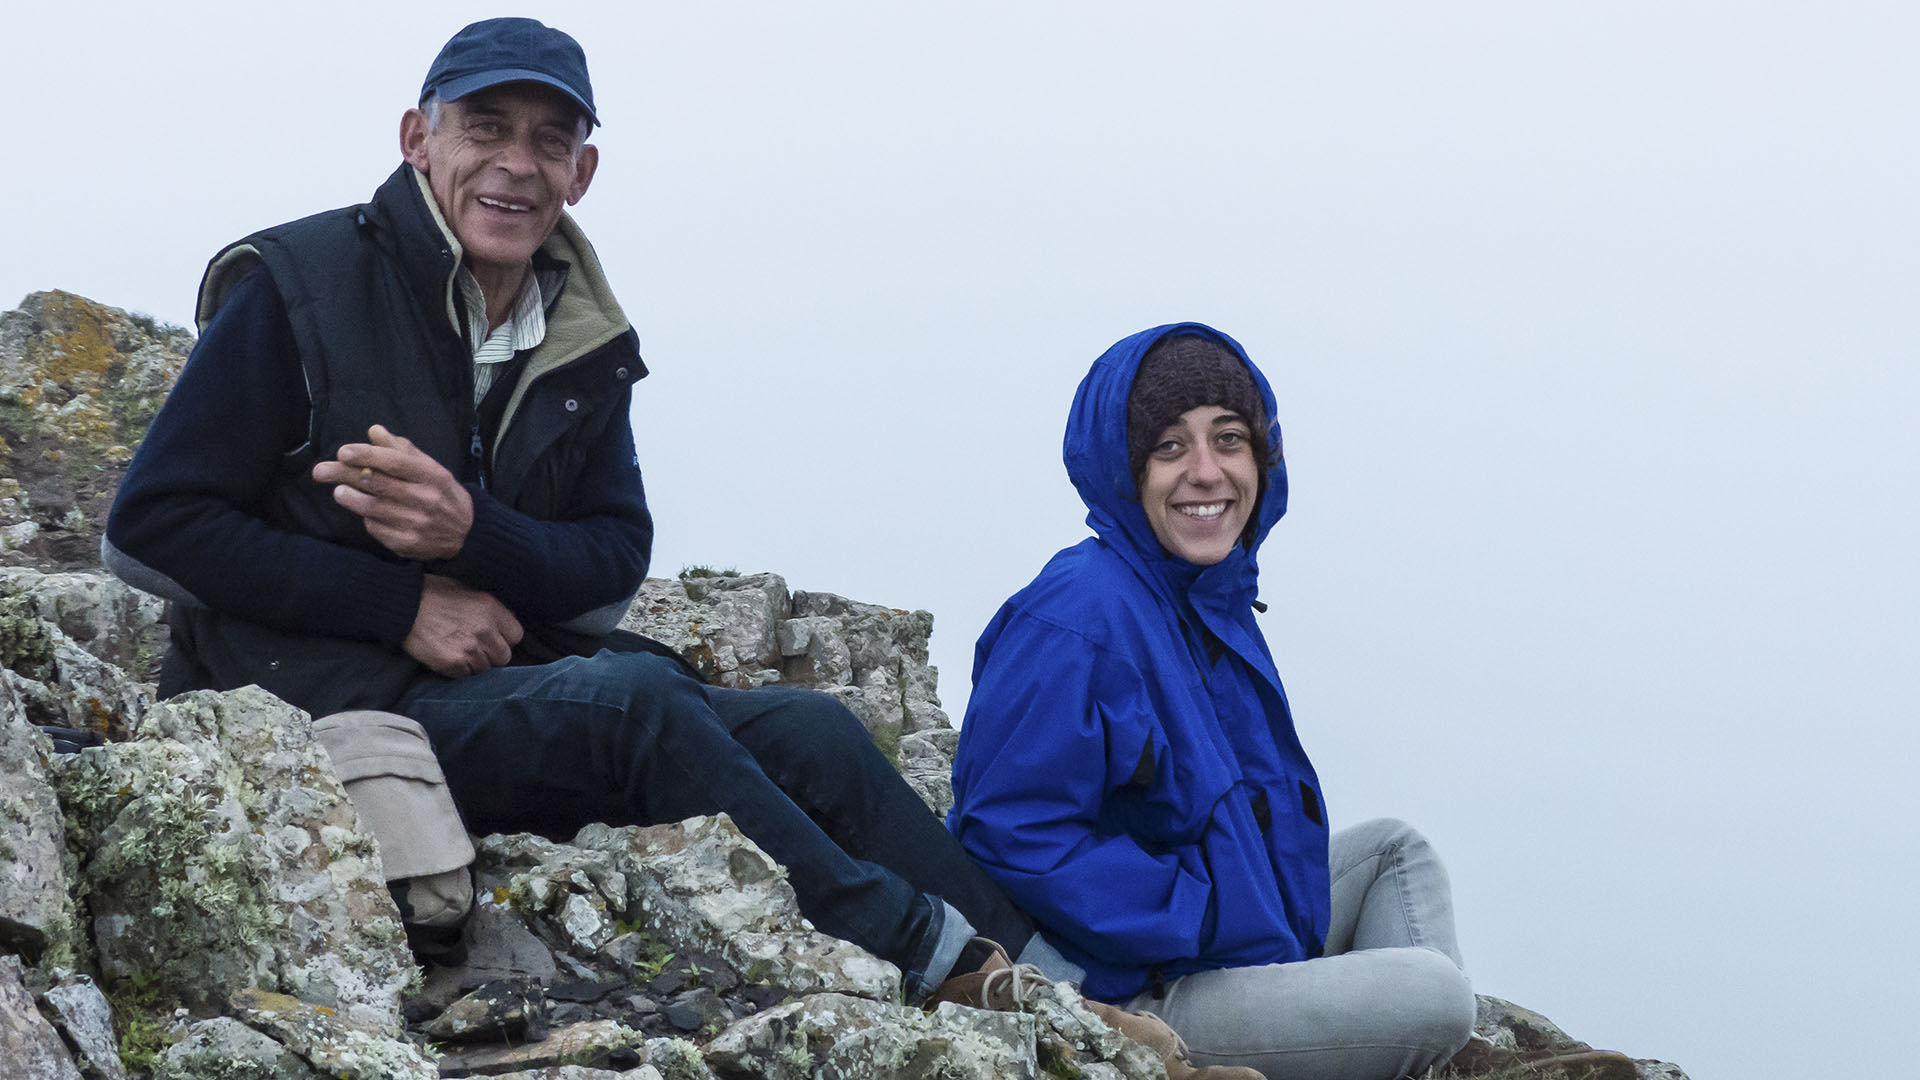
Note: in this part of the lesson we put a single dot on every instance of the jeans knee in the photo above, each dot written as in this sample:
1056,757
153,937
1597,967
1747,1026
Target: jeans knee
814,725
1439,1005
1383,834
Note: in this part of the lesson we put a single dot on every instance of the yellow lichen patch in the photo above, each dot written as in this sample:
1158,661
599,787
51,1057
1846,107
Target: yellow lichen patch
77,351
89,373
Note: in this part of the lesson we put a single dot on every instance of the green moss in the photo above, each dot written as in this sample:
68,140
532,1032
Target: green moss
680,1060
654,957
137,1005
888,740
698,570
1056,1061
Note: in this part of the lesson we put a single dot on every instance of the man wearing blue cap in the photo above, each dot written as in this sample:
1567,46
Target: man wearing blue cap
398,473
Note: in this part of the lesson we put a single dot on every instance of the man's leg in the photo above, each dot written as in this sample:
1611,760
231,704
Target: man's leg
630,739
823,758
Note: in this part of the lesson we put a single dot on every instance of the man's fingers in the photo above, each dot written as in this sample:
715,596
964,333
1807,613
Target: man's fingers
380,436
406,462
354,499
498,651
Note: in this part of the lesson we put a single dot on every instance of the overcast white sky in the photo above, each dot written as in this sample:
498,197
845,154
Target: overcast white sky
1592,327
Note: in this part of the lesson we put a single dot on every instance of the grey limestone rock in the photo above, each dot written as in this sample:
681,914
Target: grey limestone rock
56,679
220,853
1513,1027
746,609
582,1073
82,1014
593,1043
331,1041
29,1046
511,1010
926,763
702,886
223,1048
115,622
37,916
833,1035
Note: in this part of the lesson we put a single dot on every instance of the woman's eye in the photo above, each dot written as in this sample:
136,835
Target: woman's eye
1232,438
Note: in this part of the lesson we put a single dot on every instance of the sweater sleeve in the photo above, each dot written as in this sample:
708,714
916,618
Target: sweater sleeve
1053,728
580,571
187,522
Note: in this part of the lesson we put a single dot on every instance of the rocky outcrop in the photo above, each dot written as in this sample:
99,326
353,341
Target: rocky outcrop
195,898
79,382
748,630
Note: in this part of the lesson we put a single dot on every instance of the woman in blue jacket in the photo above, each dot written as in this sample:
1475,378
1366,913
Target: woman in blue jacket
1129,770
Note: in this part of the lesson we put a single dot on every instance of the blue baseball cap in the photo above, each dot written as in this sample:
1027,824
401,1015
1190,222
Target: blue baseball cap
499,51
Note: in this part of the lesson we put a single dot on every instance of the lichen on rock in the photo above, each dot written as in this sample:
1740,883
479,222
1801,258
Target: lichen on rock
37,916
207,867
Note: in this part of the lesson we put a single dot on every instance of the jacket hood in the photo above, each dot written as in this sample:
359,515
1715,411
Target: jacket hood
1095,449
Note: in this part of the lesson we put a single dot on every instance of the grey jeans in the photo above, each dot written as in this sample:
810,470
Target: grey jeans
1388,999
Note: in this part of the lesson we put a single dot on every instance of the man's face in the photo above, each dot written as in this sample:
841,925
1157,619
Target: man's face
502,164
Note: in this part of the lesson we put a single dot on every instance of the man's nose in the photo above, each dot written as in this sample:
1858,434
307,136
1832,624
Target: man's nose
516,157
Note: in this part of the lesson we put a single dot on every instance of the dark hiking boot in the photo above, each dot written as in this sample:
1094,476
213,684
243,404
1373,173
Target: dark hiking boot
1003,986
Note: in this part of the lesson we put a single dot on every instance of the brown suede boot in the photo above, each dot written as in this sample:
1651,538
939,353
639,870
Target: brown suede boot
1002,985
1153,1033
1576,1061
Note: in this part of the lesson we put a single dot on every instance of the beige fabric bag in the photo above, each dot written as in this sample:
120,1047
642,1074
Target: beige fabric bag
396,785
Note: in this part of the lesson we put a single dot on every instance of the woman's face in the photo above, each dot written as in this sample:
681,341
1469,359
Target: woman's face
1200,482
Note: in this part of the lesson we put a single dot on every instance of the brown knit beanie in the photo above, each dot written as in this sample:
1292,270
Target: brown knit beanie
1181,372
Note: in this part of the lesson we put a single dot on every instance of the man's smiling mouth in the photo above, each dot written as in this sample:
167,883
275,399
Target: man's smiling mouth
502,204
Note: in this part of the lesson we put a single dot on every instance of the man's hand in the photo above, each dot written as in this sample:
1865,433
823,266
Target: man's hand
460,631
409,501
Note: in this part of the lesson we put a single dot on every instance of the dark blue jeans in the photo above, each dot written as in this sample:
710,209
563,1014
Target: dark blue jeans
632,739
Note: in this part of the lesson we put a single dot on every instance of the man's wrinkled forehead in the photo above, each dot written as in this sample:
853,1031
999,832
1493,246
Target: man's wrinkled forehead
539,103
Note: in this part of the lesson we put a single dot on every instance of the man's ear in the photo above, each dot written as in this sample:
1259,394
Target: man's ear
583,168
413,138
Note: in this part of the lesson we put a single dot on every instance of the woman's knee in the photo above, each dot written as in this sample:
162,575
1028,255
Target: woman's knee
1436,1000
1375,836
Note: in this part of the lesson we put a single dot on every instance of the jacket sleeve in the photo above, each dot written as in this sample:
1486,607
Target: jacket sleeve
1053,728
187,522
580,572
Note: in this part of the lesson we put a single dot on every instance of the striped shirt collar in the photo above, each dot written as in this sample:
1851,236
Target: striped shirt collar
525,328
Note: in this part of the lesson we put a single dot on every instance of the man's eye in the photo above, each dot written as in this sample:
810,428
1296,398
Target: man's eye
484,129
557,147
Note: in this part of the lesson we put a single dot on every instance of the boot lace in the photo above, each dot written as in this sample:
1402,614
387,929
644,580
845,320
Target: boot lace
1009,987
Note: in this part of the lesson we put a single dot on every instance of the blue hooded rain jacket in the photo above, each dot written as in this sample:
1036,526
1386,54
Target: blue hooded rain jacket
1128,769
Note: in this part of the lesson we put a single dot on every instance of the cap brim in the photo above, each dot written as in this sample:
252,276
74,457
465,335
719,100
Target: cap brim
457,88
